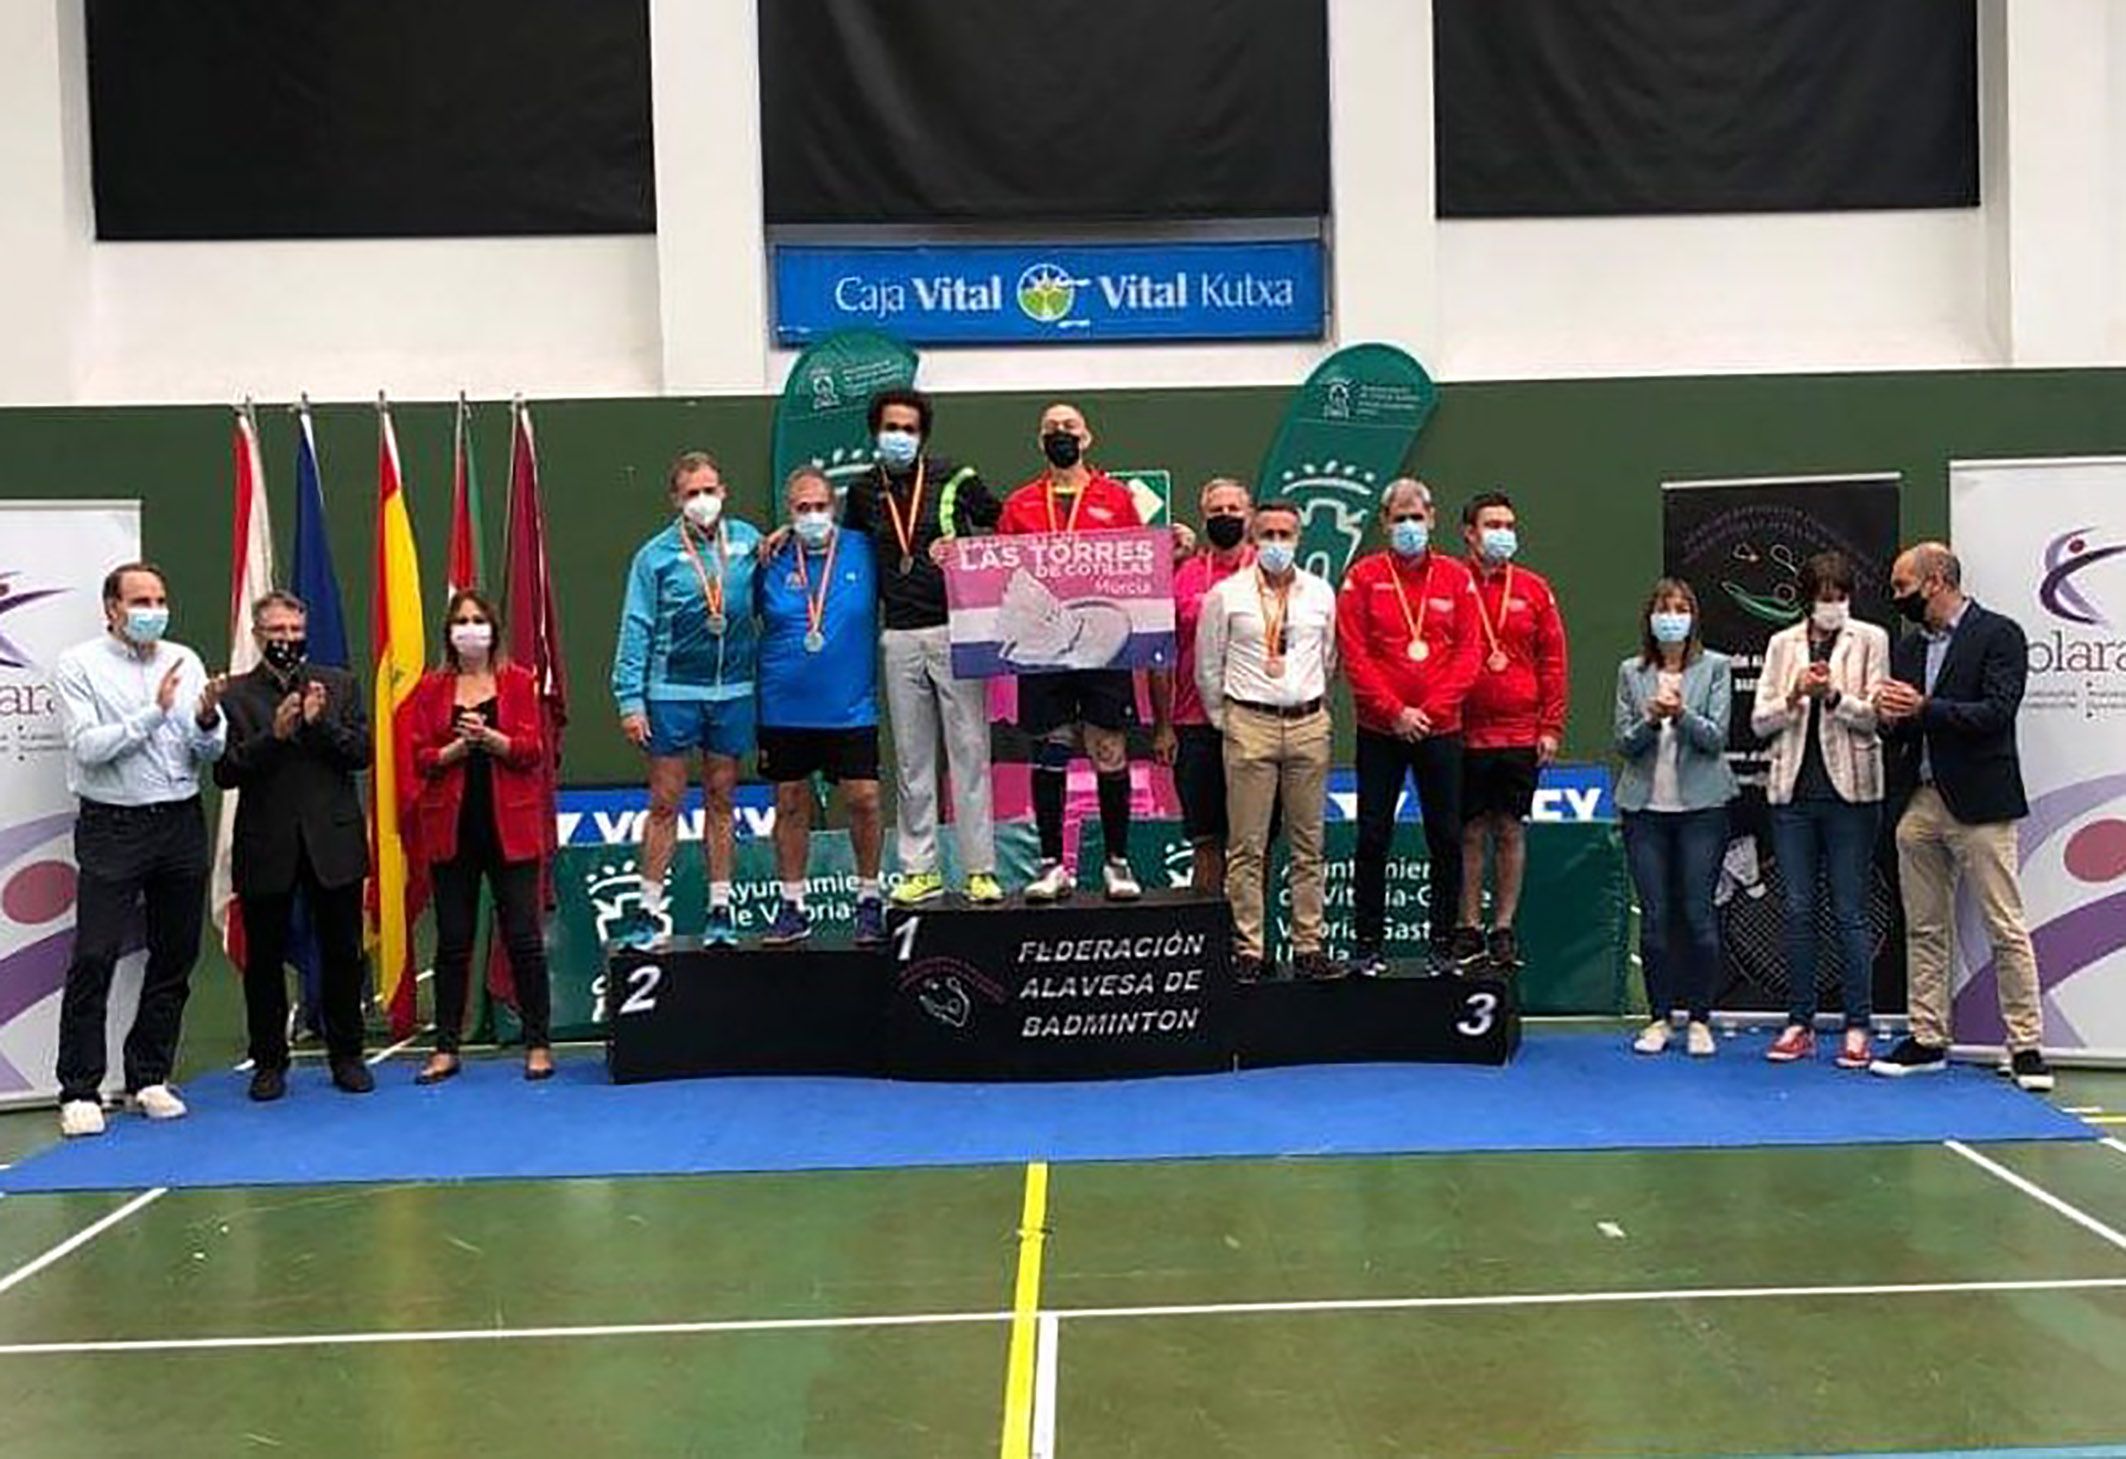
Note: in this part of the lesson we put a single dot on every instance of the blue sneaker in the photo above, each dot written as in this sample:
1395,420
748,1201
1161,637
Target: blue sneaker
790,925
637,930
721,930
870,922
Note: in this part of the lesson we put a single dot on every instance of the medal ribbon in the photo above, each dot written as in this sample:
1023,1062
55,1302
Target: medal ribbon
1076,506
816,607
711,587
1483,615
1416,625
1272,622
905,532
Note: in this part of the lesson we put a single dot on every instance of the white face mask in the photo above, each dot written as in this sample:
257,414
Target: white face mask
472,639
1830,616
703,508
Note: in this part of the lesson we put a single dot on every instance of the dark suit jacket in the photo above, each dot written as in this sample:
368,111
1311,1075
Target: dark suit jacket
299,792
1968,724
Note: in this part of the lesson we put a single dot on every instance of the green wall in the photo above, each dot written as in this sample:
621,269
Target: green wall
1583,459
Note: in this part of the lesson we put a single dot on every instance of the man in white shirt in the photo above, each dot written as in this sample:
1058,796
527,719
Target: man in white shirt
142,719
1265,651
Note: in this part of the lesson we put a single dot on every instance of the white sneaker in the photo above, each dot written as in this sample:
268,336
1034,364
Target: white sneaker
1051,885
1698,1041
1121,882
80,1117
159,1102
1652,1039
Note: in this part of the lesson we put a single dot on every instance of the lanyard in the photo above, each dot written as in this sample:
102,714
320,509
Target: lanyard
1418,649
816,607
1497,660
1076,506
1273,644
711,587
905,532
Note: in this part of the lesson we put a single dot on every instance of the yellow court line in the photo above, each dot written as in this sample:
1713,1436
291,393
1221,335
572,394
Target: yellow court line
1025,1307
2104,1119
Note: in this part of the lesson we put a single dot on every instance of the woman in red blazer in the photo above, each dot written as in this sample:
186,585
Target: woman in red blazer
476,731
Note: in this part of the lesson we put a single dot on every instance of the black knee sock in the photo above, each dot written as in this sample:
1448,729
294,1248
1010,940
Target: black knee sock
1114,812
1048,786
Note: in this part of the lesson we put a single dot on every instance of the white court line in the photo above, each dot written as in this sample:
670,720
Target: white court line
1047,1333
79,1239
1059,1315
2037,1192
382,1054
2114,1143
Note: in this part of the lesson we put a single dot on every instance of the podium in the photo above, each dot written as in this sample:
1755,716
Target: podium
1082,990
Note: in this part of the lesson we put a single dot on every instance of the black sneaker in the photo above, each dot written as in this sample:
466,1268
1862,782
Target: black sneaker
1439,960
1248,968
1317,967
1370,962
268,1085
1467,949
2031,1072
1503,948
1910,1056
352,1076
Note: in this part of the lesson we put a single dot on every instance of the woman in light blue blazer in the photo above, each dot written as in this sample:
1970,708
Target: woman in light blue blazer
1673,698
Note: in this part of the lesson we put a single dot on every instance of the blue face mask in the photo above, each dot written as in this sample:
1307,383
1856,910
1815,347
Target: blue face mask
1409,536
1500,543
1669,627
813,528
897,449
146,625
1276,557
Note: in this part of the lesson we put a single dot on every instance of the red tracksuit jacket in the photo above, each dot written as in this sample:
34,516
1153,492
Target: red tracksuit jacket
1373,638
1510,709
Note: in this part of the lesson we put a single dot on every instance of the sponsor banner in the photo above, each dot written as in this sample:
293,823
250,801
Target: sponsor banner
1740,545
822,419
1563,794
1020,293
1053,602
2045,542
53,556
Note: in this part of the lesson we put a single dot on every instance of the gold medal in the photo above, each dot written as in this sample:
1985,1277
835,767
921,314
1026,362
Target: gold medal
1419,650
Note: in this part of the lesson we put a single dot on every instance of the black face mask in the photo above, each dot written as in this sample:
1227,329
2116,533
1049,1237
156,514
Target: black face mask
1912,606
1061,448
284,655
1225,532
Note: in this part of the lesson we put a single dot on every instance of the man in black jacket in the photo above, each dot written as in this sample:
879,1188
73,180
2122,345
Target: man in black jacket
298,736
1948,716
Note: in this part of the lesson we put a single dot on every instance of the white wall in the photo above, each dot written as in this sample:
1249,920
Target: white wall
2037,276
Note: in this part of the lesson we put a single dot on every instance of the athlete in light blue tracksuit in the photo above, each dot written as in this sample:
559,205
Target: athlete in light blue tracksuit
683,680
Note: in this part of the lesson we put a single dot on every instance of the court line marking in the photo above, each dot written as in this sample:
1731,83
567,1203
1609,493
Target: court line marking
80,1239
1017,1440
1048,1335
2038,1193
1058,1315
2112,1143
2104,1119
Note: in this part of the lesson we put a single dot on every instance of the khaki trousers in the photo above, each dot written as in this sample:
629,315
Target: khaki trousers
1266,756
1934,851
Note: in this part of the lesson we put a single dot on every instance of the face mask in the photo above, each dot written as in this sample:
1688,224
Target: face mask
1275,557
1500,543
284,655
897,449
474,638
1409,536
1669,627
146,625
1831,617
813,527
1912,606
703,510
1225,532
1061,448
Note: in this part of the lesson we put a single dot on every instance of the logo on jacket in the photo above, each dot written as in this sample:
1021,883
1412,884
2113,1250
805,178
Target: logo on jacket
2065,556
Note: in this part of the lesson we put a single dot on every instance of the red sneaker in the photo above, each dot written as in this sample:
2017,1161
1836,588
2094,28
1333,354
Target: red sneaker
1795,1044
1854,1052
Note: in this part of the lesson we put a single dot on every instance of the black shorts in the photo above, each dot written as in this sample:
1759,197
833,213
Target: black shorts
1199,781
1106,698
796,754
1498,782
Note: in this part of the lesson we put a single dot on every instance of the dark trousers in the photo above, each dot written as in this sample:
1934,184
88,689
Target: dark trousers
457,904
336,914
148,857
1836,839
1383,762
1675,865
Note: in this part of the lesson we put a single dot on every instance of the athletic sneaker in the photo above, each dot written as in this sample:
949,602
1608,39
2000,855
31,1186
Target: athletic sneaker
721,930
1652,1039
1698,1041
870,922
790,925
1121,881
1796,1043
1854,1052
1317,967
1050,884
158,1102
1504,949
1910,1056
79,1117
1370,962
637,930
2004,1065
2032,1073
983,890
1467,949
917,887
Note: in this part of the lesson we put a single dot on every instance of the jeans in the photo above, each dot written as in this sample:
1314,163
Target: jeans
1675,865
1835,838
1383,763
457,904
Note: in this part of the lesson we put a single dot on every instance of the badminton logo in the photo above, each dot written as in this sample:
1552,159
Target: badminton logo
2066,557
14,597
946,988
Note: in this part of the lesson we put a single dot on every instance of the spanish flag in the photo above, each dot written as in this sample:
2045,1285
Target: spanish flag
399,655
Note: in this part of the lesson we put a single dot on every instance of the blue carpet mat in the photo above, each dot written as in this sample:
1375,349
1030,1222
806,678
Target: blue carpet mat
1566,1091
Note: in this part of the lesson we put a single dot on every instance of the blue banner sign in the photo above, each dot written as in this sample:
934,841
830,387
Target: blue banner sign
1030,293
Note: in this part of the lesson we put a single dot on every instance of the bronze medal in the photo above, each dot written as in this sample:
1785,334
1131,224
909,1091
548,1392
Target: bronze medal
1497,662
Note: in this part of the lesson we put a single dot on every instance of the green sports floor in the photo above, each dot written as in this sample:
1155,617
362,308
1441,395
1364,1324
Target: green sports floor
1802,1301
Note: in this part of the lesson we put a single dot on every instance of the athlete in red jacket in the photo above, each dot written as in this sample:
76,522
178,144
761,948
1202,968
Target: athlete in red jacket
1512,722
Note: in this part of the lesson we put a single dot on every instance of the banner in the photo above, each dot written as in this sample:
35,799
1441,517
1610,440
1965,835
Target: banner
2045,543
1345,435
1050,602
822,419
53,556
1740,544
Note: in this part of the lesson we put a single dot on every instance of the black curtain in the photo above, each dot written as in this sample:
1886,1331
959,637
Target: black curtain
1561,107
369,118
921,110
